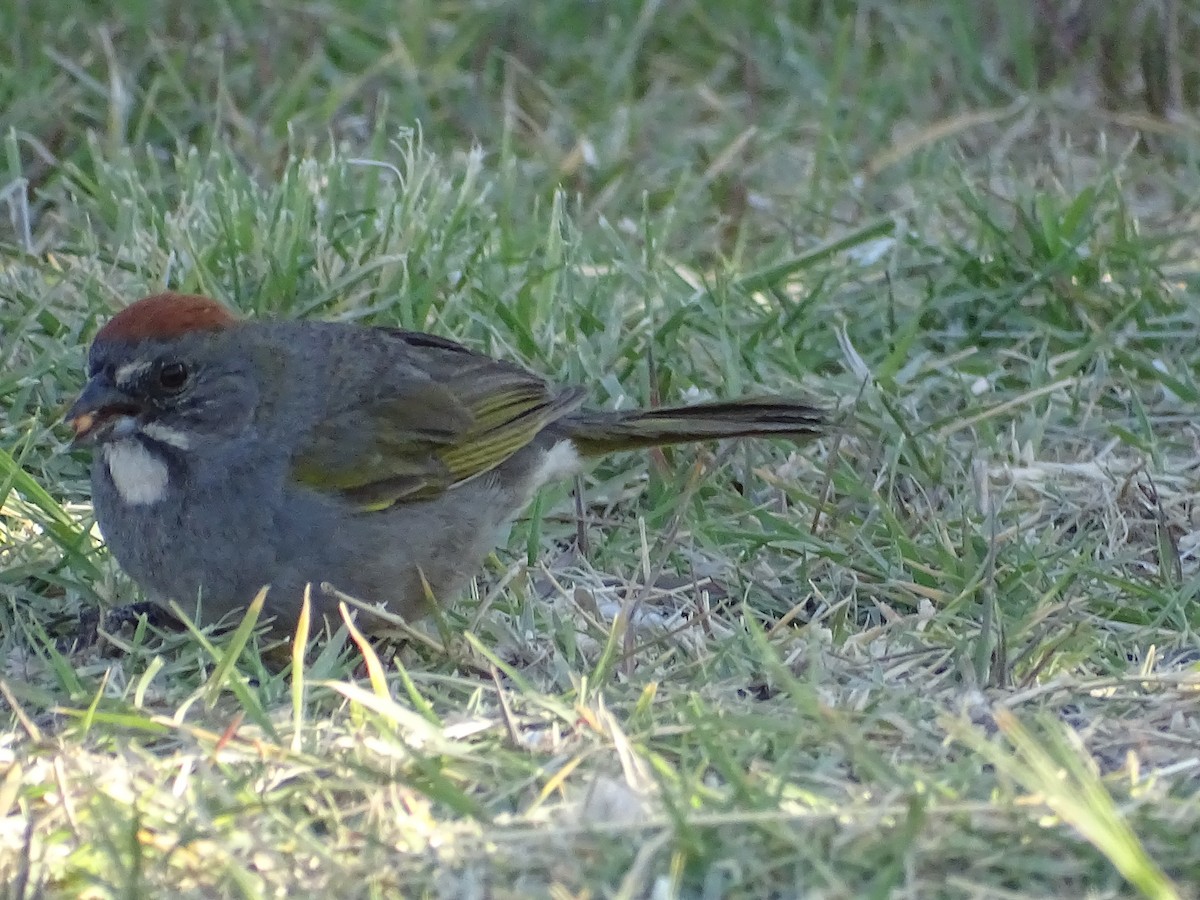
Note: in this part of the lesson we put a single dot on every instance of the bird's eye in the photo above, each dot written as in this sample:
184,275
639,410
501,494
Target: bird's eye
172,377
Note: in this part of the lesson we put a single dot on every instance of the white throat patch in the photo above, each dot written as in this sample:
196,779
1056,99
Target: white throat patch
140,476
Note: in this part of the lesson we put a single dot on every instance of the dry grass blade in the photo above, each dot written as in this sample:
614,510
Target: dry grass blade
1051,766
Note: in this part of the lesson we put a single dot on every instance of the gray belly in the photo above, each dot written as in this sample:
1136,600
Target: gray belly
200,557
212,551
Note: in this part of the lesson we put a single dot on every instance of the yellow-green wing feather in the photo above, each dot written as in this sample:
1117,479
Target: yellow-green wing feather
440,415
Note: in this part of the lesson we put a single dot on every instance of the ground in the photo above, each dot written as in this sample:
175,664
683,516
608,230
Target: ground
944,650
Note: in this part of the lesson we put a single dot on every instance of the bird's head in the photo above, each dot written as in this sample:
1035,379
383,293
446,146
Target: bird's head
168,377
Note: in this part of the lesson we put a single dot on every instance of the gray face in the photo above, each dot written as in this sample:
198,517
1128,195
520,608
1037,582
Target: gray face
189,394
153,408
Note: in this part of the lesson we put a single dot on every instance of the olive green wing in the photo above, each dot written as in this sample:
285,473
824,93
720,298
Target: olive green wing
438,415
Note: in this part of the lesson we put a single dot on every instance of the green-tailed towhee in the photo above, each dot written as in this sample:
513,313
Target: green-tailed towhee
232,453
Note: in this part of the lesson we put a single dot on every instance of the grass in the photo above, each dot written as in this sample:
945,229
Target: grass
947,650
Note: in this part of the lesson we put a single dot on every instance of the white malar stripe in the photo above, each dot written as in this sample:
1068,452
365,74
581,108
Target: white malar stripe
140,476
129,373
164,434
560,461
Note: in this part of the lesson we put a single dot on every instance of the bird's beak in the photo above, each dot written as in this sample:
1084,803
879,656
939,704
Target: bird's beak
100,411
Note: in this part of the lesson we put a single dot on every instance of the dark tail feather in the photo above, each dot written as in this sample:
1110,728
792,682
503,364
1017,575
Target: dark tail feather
596,432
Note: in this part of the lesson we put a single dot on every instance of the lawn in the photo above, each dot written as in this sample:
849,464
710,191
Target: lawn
945,650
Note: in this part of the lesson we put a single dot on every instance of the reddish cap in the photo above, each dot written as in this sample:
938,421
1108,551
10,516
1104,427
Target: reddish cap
164,316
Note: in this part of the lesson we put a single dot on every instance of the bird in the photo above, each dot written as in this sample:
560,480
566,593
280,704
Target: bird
234,453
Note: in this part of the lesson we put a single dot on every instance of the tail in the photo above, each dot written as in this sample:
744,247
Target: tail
596,432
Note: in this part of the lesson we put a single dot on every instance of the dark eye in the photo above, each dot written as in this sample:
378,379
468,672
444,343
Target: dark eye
172,377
